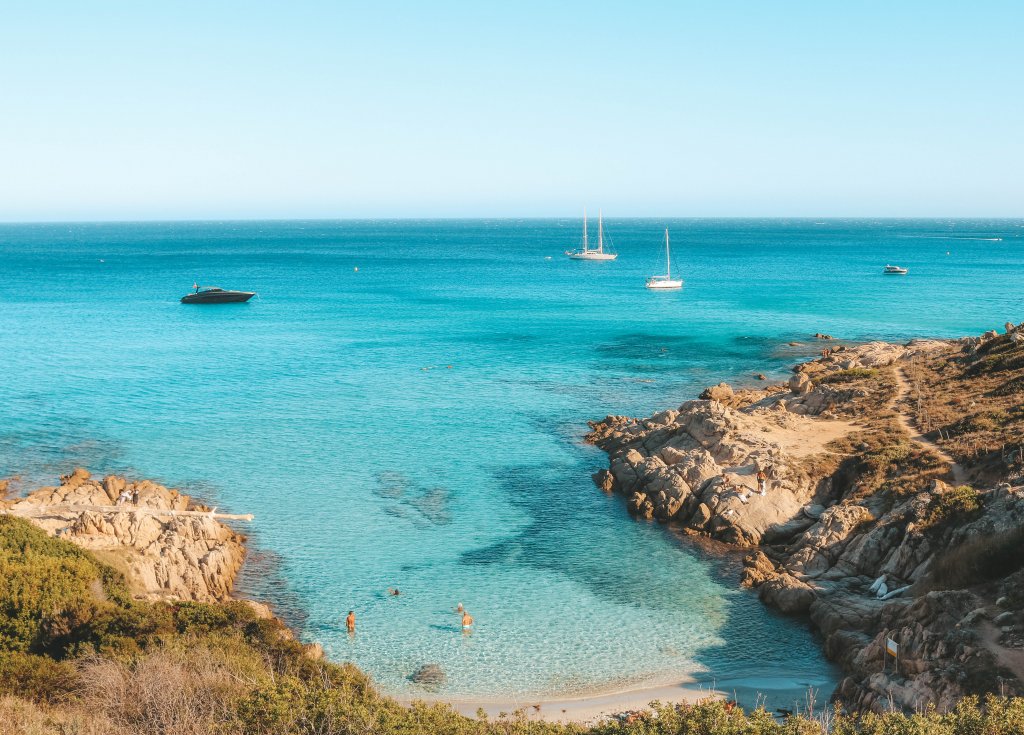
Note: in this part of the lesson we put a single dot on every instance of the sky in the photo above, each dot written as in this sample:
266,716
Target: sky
245,110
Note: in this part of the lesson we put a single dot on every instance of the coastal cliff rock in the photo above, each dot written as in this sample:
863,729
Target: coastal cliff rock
871,530
164,556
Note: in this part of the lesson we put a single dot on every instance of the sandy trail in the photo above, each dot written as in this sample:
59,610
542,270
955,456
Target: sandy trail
903,395
799,436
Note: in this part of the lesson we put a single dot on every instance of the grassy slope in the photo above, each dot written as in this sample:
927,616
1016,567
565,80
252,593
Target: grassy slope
972,404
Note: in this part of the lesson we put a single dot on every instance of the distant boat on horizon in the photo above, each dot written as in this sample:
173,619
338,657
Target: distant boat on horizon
215,295
895,270
665,282
588,253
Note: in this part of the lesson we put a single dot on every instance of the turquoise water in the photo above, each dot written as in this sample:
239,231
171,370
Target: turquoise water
327,407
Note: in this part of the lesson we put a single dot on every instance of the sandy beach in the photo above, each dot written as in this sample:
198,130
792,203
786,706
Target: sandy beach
585,708
749,692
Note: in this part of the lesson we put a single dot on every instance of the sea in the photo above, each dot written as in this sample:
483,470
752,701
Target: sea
403,405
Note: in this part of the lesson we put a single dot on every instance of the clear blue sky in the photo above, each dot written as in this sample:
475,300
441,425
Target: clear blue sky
143,110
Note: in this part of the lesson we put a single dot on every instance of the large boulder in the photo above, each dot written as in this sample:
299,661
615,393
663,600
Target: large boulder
757,569
723,393
800,384
787,594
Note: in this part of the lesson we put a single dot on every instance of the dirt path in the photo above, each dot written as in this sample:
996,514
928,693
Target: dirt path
1008,658
903,394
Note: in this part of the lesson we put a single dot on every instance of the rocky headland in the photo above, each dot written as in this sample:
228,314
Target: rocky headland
167,546
892,506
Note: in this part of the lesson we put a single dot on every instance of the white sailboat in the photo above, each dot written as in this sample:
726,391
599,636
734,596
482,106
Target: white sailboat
665,282
589,253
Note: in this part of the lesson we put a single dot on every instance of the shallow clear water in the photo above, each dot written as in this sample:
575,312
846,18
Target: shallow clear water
327,407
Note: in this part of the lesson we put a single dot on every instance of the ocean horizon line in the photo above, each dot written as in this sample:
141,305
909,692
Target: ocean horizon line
523,218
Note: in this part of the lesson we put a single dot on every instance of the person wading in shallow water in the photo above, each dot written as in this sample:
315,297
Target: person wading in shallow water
467,621
350,621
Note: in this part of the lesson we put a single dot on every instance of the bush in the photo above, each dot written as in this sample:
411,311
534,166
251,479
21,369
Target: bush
851,375
978,560
956,503
37,678
48,587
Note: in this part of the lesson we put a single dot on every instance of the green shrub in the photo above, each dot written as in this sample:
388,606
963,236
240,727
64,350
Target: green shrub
48,587
956,503
850,375
36,678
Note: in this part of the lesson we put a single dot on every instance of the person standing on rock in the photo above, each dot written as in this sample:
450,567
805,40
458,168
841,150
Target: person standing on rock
135,496
762,481
350,621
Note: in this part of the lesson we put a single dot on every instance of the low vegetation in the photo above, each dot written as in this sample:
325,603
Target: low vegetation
850,375
972,404
880,461
78,656
959,503
977,561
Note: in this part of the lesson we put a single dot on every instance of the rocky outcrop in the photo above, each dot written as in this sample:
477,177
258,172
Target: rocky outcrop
857,563
699,466
164,556
787,593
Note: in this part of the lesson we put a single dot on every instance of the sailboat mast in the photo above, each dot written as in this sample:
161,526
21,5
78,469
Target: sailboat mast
584,229
600,233
668,256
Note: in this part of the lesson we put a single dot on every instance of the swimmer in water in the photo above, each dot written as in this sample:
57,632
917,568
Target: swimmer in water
459,608
394,591
467,620
350,621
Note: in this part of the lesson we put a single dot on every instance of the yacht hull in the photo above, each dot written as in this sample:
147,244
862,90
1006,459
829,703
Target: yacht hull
221,297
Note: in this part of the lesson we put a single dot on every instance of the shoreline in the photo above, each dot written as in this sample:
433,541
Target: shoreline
748,692
586,708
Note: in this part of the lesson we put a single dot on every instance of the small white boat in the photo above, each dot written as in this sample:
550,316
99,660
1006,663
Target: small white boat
895,270
587,252
665,282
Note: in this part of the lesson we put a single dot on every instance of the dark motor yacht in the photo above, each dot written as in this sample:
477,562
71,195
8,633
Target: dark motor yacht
214,295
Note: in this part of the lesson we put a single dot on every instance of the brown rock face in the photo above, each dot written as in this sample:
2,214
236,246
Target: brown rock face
800,384
853,544
604,480
757,568
788,594
164,556
723,393
699,466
